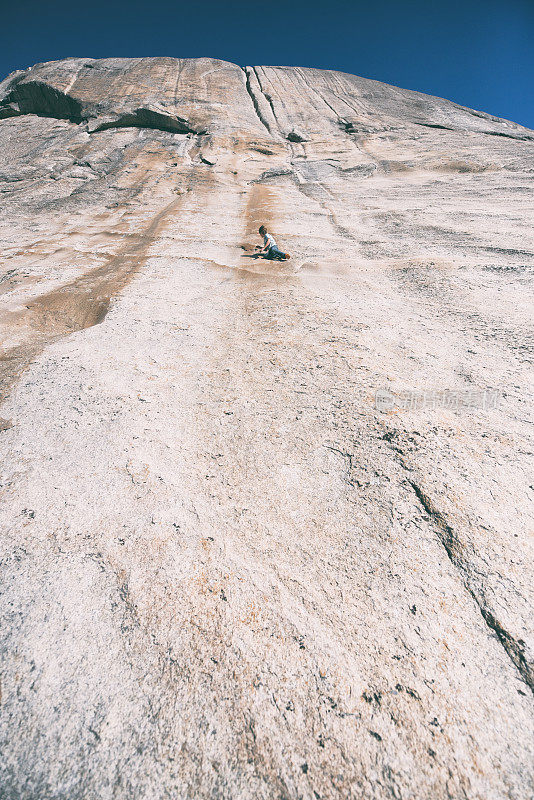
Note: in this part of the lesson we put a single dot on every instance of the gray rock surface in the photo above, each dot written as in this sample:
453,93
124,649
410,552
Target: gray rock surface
230,569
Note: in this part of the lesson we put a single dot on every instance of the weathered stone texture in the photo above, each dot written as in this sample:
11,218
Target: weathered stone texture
225,572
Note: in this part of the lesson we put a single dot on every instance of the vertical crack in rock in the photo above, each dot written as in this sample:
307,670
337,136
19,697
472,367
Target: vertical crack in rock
267,97
453,547
311,193
254,99
319,94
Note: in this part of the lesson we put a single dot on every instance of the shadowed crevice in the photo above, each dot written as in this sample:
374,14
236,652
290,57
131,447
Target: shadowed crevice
514,648
519,137
149,118
254,99
37,97
267,96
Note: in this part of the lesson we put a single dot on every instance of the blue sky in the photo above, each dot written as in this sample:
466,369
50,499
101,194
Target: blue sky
476,52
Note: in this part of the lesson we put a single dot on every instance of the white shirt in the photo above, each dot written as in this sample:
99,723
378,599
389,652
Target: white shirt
269,240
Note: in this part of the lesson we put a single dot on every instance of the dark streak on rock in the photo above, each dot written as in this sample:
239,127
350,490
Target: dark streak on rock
267,96
255,99
514,648
506,134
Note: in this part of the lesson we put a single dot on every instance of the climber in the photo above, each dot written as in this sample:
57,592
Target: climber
270,248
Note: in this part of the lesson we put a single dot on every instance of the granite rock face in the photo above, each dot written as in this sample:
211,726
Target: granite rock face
266,527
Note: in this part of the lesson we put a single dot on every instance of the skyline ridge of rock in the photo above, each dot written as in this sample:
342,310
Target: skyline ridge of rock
28,91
